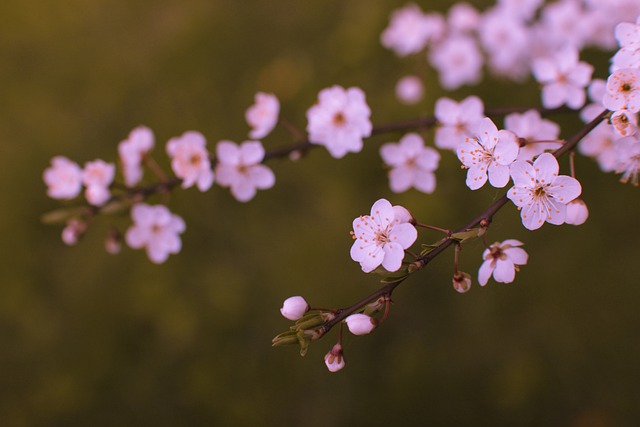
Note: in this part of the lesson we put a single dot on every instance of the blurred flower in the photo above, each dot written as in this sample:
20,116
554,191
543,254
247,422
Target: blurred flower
240,169
262,116
73,231
63,178
157,230
502,260
623,90
458,61
339,120
410,29
409,90
190,160
530,126
97,176
456,119
382,237
132,151
412,164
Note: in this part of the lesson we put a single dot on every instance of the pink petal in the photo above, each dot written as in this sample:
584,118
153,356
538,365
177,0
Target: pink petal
517,255
498,175
262,177
546,167
424,181
393,256
228,152
533,217
476,177
556,212
564,189
382,213
392,154
523,174
485,271
400,179
251,152
404,234
505,271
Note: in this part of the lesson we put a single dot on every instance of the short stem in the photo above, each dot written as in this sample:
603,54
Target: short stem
433,227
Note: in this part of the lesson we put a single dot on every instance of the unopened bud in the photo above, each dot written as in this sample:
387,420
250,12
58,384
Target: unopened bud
360,324
73,231
294,308
577,212
461,282
113,242
334,359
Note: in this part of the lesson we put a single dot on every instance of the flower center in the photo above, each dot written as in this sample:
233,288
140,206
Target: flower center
382,237
339,119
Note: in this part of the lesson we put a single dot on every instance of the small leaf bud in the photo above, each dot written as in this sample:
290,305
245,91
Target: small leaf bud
294,308
360,324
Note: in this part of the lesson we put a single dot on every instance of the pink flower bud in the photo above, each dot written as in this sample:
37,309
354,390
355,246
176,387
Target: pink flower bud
334,359
577,212
360,324
461,282
294,308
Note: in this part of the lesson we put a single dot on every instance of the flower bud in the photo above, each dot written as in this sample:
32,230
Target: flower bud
360,324
294,308
334,359
73,231
461,282
113,242
577,212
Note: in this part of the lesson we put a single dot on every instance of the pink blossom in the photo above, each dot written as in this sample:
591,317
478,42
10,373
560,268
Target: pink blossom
456,119
628,162
294,308
600,144
563,78
190,160
239,167
382,237
334,359
157,230
132,152
531,127
262,116
409,90
596,90
488,154
623,90
502,260
339,120
63,178
628,35
458,61
97,176
360,324
409,30
539,193
412,164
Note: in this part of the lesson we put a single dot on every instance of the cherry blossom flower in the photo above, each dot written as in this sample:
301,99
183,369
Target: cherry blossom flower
190,160
577,212
294,308
628,163
623,90
132,151
157,230
531,127
628,35
456,119
410,29
412,164
409,90
563,78
600,144
382,237
624,122
97,176
239,167
262,116
360,324
502,260
63,178
339,120
462,18
458,61
539,193
334,359
489,152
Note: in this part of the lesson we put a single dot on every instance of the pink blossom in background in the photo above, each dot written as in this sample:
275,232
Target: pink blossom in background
97,176
456,119
502,261
412,164
409,90
539,193
339,120
239,167
488,154
458,61
628,162
623,90
157,230
532,127
262,116
190,160
563,77
410,29
596,90
600,144
63,178
132,151
382,237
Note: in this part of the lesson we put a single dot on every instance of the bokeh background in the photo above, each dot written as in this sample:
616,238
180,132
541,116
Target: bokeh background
88,338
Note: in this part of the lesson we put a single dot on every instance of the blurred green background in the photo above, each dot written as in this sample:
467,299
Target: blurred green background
87,338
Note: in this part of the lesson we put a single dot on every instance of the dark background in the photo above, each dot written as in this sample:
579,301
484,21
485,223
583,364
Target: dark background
87,338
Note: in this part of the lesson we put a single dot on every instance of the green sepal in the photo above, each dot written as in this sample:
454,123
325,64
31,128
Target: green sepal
466,235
